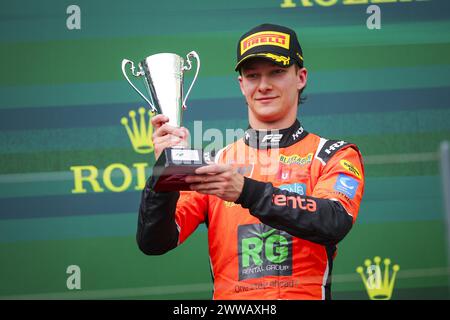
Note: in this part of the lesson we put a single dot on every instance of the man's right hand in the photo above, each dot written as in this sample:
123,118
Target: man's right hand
165,135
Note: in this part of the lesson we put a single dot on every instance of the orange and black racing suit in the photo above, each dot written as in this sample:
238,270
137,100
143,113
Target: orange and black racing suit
301,196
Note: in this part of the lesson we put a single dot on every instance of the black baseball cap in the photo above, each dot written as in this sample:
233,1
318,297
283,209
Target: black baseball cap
272,42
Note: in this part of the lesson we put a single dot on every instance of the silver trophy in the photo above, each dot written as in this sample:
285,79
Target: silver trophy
163,75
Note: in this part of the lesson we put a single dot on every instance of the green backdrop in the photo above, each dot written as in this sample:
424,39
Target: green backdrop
62,96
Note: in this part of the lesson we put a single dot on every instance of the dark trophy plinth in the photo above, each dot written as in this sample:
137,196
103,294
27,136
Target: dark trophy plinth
172,167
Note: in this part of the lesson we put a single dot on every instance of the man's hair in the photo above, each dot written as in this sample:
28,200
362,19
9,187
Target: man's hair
301,97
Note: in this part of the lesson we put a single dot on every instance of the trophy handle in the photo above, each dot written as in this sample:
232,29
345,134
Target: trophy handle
187,68
140,73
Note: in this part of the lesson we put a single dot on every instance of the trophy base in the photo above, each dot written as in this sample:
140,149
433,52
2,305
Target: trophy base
172,167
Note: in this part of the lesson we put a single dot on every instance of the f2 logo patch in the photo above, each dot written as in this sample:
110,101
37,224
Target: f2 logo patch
272,138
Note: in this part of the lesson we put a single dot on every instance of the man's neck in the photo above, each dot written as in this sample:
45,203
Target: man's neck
279,124
268,126
284,122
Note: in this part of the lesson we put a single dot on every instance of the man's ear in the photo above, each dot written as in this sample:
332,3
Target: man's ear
240,85
302,77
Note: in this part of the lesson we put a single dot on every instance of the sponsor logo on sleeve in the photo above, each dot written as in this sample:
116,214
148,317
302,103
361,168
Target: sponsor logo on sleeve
294,202
335,146
350,167
346,185
299,188
340,195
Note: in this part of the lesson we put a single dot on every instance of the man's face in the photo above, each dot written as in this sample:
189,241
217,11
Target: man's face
271,91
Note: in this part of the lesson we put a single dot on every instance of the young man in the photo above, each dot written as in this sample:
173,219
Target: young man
277,201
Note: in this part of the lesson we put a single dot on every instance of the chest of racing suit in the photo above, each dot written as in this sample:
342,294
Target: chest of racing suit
301,196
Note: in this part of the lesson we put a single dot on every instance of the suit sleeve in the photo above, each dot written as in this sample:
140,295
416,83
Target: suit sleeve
166,219
343,180
323,217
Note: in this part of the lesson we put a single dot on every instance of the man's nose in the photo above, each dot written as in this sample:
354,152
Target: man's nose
264,84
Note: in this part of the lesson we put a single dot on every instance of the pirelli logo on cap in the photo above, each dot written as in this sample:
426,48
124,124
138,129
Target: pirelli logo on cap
265,38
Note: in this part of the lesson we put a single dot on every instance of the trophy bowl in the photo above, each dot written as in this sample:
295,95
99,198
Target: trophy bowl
163,75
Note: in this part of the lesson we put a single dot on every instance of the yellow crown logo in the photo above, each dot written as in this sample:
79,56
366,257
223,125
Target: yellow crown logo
377,286
140,135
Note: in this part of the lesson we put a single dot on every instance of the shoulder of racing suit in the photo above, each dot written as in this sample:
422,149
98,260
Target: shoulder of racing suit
328,148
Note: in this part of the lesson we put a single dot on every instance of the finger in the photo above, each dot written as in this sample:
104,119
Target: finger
168,129
205,178
158,120
186,131
207,188
180,132
163,130
212,168
161,140
166,141
182,143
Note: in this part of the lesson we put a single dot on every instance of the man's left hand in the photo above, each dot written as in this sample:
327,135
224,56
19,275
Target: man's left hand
220,180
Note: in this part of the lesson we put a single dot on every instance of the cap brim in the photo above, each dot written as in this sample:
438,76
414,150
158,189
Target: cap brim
282,61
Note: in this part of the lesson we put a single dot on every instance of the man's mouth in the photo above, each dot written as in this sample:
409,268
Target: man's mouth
265,99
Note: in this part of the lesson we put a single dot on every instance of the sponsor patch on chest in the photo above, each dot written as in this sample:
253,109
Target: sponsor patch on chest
263,251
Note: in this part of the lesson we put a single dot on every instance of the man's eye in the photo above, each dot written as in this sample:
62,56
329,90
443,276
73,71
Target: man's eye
251,75
278,71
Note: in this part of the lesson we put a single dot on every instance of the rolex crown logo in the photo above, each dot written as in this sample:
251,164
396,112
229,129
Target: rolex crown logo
140,134
378,287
